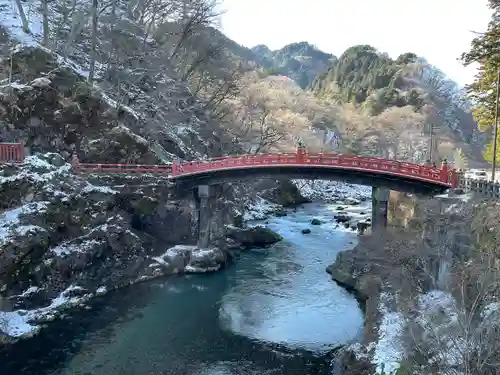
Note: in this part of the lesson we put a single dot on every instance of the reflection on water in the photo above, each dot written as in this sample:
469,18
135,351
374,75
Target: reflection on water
275,311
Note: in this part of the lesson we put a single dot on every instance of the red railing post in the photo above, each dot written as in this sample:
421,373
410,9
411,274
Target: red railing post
443,172
453,178
301,154
175,168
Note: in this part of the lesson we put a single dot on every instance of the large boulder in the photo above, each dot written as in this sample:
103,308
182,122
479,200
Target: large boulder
286,194
258,236
342,218
189,259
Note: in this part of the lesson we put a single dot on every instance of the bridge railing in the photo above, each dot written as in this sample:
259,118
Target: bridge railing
487,189
353,161
12,153
122,168
442,175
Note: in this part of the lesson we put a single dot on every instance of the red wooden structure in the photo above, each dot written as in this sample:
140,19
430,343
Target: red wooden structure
11,152
440,176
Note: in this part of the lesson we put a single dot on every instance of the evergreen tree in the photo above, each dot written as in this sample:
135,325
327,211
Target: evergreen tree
485,50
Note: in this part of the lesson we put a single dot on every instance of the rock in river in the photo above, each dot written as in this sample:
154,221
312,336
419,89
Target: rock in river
253,236
316,222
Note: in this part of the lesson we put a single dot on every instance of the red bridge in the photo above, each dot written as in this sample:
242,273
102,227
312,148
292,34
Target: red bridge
363,170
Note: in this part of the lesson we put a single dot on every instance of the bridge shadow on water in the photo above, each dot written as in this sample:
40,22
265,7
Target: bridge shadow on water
166,327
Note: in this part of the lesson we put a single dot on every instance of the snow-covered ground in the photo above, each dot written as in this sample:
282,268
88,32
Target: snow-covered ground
446,333
21,323
329,191
259,209
436,315
388,350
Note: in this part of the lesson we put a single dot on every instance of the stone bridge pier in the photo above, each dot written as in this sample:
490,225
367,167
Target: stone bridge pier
380,204
205,198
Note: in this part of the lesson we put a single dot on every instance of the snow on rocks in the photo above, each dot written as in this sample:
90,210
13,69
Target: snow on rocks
35,168
259,209
53,227
189,259
438,316
491,310
40,82
330,191
10,224
22,323
389,350
75,246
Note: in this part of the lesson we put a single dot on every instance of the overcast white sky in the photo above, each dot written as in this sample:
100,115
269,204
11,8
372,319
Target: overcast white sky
439,30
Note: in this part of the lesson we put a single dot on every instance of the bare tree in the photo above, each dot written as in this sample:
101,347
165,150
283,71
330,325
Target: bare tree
196,14
95,14
268,135
22,15
459,159
255,126
45,22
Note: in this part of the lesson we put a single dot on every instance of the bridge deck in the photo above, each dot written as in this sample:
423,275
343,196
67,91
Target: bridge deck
353,168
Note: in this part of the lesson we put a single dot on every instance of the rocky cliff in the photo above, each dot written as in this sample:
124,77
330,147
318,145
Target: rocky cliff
422,286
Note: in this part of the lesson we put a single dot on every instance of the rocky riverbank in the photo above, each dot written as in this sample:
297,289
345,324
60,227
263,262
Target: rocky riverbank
417,287
65,239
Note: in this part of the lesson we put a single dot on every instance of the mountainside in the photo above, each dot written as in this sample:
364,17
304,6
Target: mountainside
403,107
418,97
302,62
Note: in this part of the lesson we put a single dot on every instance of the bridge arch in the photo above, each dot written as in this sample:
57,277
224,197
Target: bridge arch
364,170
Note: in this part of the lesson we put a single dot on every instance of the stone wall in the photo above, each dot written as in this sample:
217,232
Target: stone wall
402,208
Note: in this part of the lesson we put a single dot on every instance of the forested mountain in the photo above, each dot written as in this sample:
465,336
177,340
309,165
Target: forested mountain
402,107
261,99
376,84
299,61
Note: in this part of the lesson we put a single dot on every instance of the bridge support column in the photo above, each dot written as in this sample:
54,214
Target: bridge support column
380,203
204,215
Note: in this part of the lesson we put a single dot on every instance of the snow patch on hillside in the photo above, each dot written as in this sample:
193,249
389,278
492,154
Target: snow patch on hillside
389,350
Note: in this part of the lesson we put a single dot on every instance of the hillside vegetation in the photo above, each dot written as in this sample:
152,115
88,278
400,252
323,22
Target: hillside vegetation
405,99
403,108
171,77
301,62
484,51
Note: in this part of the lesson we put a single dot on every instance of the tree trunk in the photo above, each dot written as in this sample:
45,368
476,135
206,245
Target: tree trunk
45,22
95,6
24,20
